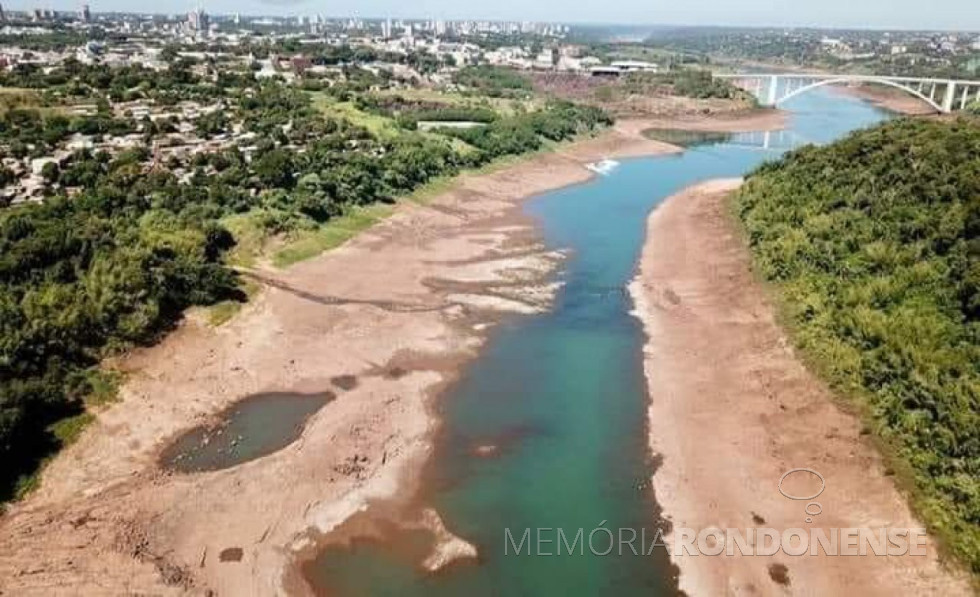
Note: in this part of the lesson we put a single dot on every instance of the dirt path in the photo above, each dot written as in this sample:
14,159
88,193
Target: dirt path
732,410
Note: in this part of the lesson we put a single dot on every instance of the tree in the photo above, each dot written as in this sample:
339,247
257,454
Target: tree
275,169
873,244
169,54
50,172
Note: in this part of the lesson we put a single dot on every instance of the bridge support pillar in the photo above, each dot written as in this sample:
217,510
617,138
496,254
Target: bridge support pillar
773,90
948,98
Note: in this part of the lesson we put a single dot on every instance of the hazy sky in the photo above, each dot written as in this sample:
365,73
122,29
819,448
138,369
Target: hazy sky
909,14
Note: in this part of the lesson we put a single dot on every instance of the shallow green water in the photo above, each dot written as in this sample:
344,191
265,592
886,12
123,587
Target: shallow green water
253,427
563,398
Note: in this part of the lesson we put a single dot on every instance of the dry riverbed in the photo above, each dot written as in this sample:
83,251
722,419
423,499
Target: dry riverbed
733,409
381,324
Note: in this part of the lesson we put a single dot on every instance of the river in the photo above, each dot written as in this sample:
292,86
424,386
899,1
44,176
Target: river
560,400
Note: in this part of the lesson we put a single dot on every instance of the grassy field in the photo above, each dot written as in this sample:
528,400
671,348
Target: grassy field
332,234
17,97
378,125
503,106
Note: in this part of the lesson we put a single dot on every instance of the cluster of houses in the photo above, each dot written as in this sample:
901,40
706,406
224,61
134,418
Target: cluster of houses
182,142
133,40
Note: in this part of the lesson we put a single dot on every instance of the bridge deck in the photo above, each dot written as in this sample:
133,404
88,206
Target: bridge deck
958,82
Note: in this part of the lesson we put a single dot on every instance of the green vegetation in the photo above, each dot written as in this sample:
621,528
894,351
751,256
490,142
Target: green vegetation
850,51
221,313
701,84
332,234
873,244
696,83
29,131
378,124
529,132
83,277
493,81
629,93
504,106
127,240
13,97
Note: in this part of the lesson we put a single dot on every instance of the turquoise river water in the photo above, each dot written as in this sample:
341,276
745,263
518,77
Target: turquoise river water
563,397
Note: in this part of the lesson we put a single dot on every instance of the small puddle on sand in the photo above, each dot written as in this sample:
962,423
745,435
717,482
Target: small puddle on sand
253,427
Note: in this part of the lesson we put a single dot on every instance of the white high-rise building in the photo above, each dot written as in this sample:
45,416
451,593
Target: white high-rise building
199,21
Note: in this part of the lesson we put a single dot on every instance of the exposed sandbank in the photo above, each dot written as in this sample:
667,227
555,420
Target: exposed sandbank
394,312
398,309
732,409
761,119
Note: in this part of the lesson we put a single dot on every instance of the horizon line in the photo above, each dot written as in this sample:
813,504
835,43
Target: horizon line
578,23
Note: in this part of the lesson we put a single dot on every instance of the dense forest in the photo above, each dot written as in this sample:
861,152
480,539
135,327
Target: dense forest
873,244
112,258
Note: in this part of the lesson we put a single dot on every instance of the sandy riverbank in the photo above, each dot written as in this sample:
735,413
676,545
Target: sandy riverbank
761,119
889,98
393,313
732,409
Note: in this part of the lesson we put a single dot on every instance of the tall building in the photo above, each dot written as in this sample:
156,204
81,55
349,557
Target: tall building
84,15
198,20
3,17
386,29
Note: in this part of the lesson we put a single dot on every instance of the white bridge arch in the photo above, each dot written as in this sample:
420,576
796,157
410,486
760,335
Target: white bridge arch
841,81
942,95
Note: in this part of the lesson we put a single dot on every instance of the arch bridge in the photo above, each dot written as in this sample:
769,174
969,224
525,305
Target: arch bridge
942,95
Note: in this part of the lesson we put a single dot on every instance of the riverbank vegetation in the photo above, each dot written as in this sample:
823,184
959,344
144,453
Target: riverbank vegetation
124,241
873,244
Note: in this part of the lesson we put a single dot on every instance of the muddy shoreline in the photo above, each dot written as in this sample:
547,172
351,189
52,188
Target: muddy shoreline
723,379
395,313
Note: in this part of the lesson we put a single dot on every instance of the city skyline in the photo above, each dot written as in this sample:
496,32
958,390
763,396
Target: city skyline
876,14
